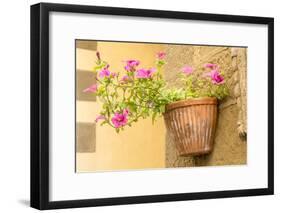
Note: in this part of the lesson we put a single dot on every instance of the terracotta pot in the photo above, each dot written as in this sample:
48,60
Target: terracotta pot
192,124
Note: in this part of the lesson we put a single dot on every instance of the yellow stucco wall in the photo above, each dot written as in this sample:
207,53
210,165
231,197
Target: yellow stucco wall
141,146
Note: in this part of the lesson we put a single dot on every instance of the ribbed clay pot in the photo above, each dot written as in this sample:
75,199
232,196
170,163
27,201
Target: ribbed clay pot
192,124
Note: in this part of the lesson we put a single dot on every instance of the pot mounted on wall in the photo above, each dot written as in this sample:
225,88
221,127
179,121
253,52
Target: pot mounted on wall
192,124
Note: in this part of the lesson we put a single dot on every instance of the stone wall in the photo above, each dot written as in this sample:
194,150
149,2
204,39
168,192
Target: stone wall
230,147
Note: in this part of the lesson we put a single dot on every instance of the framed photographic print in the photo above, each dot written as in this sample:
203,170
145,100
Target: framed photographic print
136,106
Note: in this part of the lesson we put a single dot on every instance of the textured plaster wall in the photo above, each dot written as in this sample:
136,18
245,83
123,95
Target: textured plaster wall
230,146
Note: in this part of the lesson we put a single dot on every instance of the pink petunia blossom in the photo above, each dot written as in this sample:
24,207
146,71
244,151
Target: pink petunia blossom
216,77
131,65
124,79
120,119
211,66
161,55
143,73
187,70
104,73
92,88
99,117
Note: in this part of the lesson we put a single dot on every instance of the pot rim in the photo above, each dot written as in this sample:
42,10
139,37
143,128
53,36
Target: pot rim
191,102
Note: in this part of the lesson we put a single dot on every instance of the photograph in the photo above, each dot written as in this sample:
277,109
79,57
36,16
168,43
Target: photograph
159,105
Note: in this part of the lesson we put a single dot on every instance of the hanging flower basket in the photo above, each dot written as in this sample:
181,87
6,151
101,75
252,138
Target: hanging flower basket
192,124
190,112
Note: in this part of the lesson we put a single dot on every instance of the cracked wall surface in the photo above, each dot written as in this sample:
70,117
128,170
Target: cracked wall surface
230,145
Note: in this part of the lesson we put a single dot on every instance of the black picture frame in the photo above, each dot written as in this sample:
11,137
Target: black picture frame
40,105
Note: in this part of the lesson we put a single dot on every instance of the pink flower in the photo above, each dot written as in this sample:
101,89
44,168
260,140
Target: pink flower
104,73
99,117
92,88
131,65
187,70
211,66
143,73
120,119
216,77
161,55
124,79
